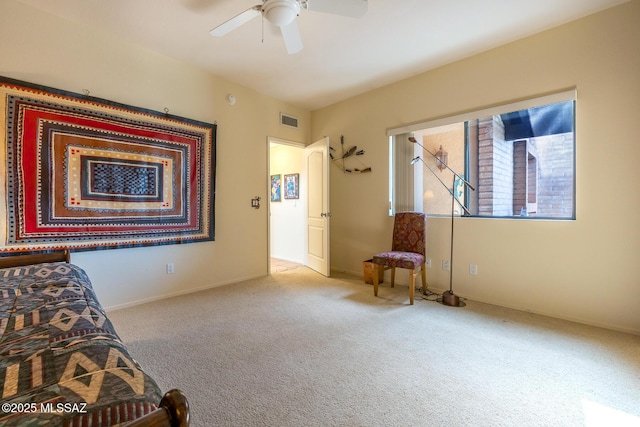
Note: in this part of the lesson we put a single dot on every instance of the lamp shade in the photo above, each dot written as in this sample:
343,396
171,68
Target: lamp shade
281,12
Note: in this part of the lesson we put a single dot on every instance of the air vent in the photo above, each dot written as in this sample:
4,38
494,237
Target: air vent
287,120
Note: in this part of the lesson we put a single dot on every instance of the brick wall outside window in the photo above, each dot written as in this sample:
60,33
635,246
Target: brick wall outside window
532,176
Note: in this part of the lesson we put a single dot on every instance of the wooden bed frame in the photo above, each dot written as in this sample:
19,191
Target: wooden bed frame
173,410
21,260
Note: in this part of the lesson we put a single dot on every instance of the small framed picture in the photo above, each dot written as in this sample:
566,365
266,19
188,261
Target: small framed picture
292,186
275,188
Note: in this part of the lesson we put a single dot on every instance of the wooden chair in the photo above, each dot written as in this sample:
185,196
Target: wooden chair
407,251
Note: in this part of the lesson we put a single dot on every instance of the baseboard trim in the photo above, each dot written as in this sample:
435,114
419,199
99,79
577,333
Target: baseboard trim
512,307
360,274
179,293
560,317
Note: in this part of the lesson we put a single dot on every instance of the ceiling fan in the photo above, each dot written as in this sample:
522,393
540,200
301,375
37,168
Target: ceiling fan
283,14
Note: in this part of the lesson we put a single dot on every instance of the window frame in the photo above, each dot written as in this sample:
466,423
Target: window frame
466,117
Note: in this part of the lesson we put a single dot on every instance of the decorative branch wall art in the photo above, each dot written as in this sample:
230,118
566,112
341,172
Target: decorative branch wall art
85,173
350,152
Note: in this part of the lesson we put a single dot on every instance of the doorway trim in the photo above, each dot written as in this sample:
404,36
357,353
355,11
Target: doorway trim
278,141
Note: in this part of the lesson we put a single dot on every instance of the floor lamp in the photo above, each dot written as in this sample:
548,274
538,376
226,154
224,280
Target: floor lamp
448,297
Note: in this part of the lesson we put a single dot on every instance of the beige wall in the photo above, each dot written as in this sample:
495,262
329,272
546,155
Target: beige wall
46,50
585,270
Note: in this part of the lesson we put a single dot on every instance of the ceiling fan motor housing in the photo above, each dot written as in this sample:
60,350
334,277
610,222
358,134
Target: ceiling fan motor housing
281,12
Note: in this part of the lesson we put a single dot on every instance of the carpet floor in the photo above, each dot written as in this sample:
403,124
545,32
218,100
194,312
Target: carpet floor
298,349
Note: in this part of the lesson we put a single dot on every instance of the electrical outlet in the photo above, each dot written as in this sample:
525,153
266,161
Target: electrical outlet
170,268
428,263
473,269
445,264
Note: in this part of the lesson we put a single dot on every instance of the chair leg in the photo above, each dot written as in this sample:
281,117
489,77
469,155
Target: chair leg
393,276
412,285
376,272
424,279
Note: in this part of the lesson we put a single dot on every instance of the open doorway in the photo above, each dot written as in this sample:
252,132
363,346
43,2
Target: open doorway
287,204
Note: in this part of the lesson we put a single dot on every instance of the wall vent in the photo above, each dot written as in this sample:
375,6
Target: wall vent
287,120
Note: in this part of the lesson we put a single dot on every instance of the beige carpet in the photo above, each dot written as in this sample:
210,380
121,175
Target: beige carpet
298,349
280,265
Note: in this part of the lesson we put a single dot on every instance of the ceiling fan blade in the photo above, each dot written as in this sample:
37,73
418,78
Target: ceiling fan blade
236,21
350,8
292,38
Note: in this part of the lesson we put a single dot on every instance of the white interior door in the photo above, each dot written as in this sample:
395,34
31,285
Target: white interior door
318,213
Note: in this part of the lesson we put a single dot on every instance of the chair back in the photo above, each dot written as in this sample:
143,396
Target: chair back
409,232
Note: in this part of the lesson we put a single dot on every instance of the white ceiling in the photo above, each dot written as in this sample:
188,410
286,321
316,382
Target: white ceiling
342,57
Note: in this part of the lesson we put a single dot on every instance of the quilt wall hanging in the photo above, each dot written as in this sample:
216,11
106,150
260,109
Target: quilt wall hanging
84,173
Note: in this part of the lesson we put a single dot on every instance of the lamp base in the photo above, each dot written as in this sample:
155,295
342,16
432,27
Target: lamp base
450,299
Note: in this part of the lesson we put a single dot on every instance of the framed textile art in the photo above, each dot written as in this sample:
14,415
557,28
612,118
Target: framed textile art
84,173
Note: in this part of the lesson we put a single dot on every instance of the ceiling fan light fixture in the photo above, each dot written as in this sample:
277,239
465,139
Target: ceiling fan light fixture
281,12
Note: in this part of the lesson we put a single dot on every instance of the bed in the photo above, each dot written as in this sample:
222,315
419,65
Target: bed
61,360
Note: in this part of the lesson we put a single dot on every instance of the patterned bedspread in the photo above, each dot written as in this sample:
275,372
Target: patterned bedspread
61,361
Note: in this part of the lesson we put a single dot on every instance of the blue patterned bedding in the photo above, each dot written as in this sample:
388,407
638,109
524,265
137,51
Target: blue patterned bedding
61,360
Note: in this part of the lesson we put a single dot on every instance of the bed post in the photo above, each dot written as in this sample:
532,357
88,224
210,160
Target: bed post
172,412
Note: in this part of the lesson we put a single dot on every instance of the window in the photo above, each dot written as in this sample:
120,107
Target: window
518,158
